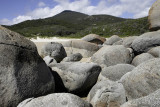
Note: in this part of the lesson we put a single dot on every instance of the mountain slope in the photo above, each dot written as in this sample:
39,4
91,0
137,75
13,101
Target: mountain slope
70,23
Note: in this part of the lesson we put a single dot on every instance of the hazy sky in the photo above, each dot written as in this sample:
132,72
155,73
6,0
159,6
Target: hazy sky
15,11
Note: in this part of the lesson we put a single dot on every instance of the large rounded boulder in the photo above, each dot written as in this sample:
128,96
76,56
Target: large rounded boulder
145,42
141,58
93,38
127,41
76,77
86,49
113,39
107,94
55,100
115,72
55,50
155,51
23,73
112,55
152,100
154,16
142,80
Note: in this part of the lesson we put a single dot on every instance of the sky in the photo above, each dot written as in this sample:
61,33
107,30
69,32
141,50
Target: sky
16,11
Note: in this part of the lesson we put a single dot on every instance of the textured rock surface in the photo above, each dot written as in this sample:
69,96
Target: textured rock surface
112,40
93,38
23,73
73,58
55,50
107,94
79,46
141,58
152,100
115,72
142,80
112,55
118,42
146,41
77,77
127,41
155,51
55,100
154,16
49,60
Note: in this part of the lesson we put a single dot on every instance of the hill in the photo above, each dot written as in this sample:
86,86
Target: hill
75,24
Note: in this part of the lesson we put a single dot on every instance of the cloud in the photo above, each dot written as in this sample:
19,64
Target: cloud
136,8
41,4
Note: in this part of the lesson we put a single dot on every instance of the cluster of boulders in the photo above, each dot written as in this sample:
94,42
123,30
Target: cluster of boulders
119,72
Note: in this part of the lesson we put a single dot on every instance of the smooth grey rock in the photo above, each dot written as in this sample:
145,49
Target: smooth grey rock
87,49
155,51
141,58
55,50
112,40
93,38
55,100
154,16
152,100
73,58
23,73
127,41
76,76
142,80
115,72
145,42
118,42
107,94
49,60
112,55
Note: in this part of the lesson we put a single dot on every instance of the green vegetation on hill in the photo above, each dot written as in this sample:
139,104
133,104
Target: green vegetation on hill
75,24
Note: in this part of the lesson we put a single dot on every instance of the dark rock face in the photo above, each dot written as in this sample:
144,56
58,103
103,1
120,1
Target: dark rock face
77,77
154,16
145,42
55,50
55,100
23,73
73,58
93,38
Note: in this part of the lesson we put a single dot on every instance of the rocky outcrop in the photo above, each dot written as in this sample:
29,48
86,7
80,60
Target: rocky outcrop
23,73
155,51
55,50
112,55
86,49
115,72
93,38
73,58
142,80
76,76
55,100
112,40
152,100
146,41
107,94
127,41
154,16
141,58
